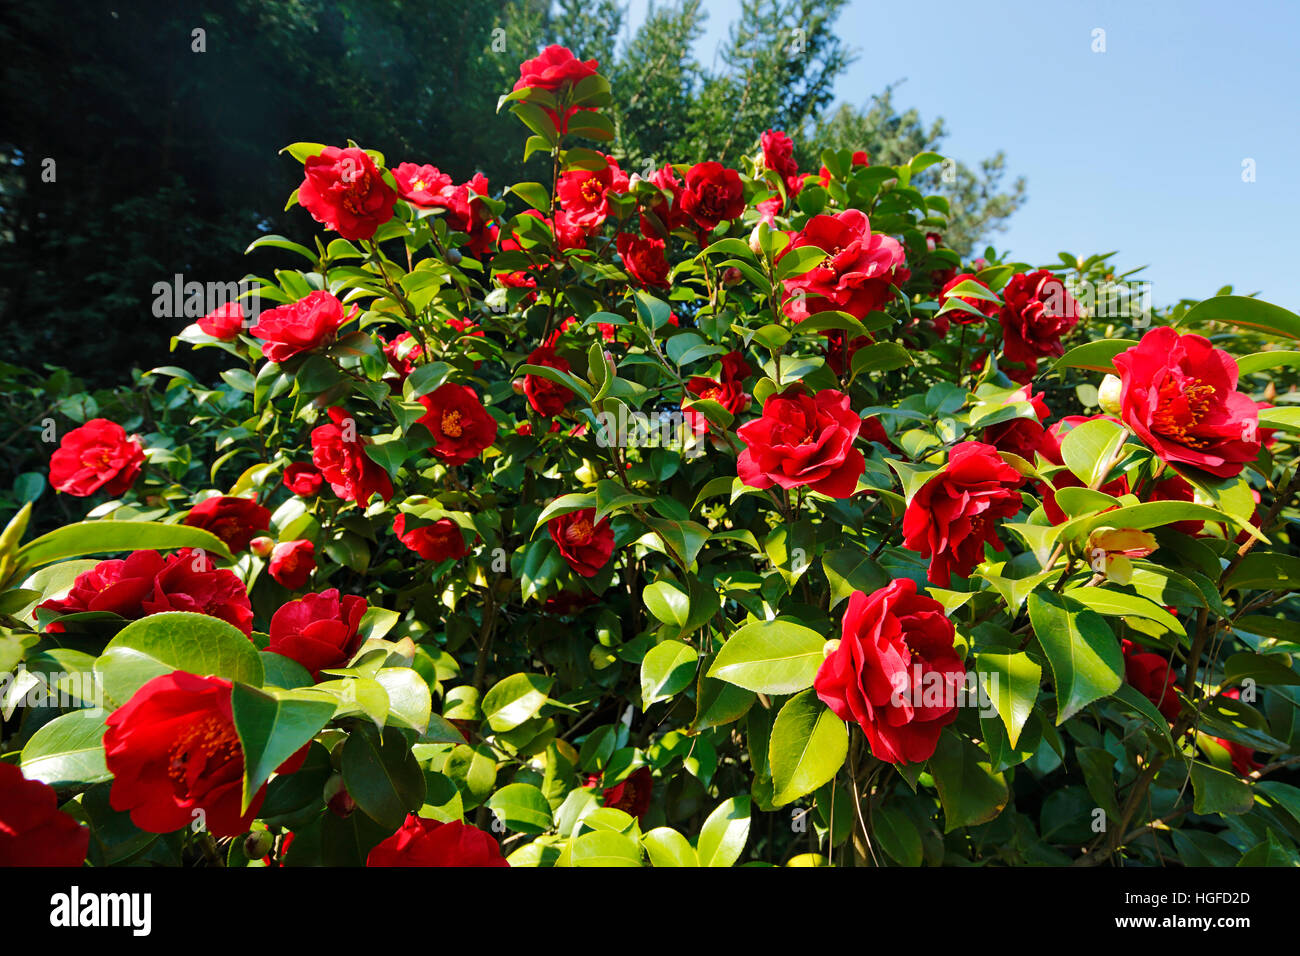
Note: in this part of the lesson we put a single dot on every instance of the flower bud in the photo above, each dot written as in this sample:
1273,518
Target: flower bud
518,386
830,647
756,239
258,844
1108,395
261,545
337,797
731,276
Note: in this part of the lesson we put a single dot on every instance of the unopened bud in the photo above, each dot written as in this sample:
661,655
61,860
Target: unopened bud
756,239
258,844
518,386
731,276
1108,395
261,545
337,797
830,647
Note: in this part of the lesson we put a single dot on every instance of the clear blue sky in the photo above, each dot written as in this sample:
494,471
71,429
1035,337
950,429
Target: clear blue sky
1138,149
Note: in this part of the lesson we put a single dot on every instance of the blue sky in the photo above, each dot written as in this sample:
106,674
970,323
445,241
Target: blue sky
1138,149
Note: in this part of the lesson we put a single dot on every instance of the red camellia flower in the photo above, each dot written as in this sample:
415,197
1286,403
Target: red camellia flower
96,456
225,322
856,274
986,308
439,541
318,631
303,479
895,671
292,563
402,353
803,440
711,194
117,586
1038,311
176,759
585,545
778,153
735,368
552,68
643,259
729,393
340,455
301,326
583,193
547,398
632,794
1179,395
189,581
424,842
1243,757
951,517
344,191
1050,448
423,186
460,426
1020,436
33,830
1152,677
233,520
668,207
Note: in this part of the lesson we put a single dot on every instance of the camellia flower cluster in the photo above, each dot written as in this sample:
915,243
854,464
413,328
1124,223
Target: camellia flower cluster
622,518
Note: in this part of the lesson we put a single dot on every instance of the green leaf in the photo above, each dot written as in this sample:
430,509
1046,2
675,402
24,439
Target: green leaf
68,751
897,836
272,727
105,537
880,357
514,700
1217,791
522,808
798,261
723,836
426,379
1263,571
1265,361
612,497
666,601
1088,450
668,669
572,383
1244,313
605,848
770,657
176,641
1098,356
809,744
382,775
666,847
1118,604
971,793
1084,655
409,699
1011,681
849,570
535,194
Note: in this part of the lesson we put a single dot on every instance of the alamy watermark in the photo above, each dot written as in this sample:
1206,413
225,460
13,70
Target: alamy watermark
670,428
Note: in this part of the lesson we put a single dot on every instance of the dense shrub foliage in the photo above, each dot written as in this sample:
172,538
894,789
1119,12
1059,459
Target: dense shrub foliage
682,516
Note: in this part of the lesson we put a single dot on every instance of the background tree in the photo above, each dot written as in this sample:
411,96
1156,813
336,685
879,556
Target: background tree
163,121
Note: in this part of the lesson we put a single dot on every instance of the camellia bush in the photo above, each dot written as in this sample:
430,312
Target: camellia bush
684,516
